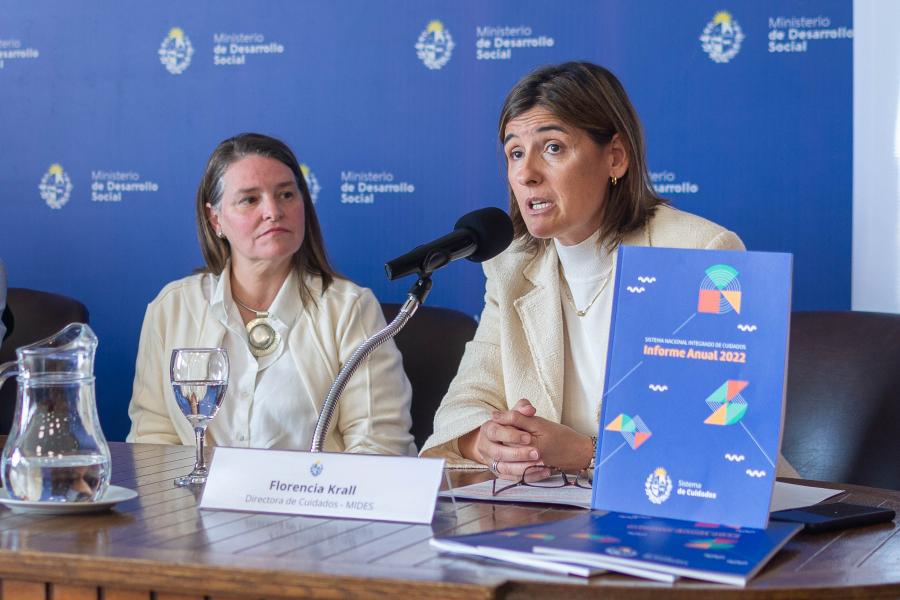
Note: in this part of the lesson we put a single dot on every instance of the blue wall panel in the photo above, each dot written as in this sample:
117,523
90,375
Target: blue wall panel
760,142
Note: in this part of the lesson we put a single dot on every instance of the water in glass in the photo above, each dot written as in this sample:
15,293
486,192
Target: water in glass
199,400
199,380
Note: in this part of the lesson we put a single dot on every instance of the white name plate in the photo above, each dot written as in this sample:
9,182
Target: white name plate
351,486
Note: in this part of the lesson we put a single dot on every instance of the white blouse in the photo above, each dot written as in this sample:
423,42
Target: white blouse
273,401
268,407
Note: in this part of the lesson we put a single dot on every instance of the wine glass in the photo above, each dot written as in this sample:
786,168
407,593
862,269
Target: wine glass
199,379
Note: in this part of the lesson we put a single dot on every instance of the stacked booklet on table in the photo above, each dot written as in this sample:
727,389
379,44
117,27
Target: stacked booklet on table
653,548
690,423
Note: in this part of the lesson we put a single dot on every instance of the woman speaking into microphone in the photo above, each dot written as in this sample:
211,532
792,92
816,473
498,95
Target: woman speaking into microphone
269,296
528,391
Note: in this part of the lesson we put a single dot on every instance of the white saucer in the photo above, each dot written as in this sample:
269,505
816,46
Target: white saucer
114,494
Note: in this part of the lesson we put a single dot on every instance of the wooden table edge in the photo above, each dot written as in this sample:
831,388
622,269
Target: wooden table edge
147,574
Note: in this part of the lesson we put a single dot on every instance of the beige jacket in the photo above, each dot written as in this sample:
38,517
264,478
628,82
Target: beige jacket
518,348
373,414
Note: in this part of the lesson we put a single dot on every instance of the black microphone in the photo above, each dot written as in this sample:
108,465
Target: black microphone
478,236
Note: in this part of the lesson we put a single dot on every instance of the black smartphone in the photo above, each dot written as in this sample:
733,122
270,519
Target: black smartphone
834,515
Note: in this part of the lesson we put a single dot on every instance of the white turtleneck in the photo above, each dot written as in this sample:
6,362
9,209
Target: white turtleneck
587,269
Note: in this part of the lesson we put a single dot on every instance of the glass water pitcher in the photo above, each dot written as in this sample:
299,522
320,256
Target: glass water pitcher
56,451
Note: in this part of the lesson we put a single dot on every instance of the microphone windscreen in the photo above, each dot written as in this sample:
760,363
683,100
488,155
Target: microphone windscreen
493,231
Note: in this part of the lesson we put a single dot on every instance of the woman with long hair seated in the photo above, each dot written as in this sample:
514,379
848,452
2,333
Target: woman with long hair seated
269,296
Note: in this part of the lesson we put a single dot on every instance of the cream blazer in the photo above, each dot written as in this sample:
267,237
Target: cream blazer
518,348
373,414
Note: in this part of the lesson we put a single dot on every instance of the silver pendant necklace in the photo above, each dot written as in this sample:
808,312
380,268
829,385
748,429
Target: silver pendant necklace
262,336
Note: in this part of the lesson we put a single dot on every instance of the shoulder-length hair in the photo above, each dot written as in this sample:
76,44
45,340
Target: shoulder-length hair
591,98
310,258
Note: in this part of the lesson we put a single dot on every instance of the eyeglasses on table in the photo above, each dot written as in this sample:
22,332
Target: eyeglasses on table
559,478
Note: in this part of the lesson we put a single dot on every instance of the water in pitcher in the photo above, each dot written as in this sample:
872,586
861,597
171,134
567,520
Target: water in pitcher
56,451
58,479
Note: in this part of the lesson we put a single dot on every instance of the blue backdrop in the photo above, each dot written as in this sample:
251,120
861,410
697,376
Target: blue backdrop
110,110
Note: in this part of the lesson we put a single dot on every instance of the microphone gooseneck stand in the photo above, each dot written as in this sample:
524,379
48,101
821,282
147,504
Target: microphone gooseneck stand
417,294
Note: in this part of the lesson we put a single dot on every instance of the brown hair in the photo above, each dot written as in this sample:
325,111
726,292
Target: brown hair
589,97
310,258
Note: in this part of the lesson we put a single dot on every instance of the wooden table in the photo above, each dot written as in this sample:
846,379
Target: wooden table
160,546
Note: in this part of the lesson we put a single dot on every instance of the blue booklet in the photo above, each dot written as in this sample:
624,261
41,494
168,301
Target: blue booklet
729,555
691,417
517,558
643,546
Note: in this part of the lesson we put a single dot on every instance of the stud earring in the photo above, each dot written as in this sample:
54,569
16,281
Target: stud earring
220,234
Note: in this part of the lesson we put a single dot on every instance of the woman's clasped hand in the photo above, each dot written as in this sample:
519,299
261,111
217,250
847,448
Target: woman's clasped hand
518,439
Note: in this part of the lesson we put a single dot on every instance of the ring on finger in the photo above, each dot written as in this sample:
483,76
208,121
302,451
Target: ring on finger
494,467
